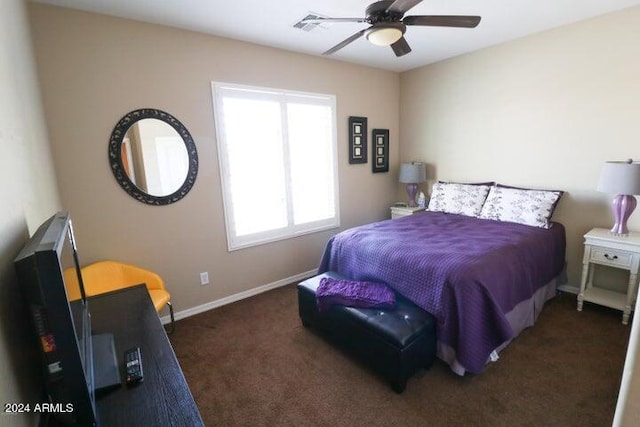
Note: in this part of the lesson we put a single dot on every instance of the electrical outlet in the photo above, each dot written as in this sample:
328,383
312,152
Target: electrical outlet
204,278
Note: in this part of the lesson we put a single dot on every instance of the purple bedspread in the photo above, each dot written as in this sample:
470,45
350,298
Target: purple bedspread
467,272
353,293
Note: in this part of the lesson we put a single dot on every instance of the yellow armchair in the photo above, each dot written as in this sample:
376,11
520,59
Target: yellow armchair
106,276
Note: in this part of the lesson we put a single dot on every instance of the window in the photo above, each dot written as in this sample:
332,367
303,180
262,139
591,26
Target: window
277,152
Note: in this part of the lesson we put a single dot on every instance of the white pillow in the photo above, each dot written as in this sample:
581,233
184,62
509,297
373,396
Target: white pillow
462,199
523,206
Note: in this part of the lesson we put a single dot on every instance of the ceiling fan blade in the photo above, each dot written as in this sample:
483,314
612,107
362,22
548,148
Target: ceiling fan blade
401,47
401,6
321,20
443,21
345,42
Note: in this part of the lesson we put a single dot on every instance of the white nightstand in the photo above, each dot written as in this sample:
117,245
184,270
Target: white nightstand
398,211
604,248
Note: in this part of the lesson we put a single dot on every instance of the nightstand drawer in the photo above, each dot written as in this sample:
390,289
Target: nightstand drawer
611,257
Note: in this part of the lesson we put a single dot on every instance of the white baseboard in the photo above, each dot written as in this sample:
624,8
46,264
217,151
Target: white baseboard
237,297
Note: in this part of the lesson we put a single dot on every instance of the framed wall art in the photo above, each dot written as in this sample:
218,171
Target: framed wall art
357,140
380,149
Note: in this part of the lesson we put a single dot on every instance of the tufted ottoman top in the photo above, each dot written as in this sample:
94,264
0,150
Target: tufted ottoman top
398,326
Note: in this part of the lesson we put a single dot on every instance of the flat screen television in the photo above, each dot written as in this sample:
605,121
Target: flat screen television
75,364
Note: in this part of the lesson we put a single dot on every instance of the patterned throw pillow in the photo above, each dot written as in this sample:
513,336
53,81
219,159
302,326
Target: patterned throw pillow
462,199
523,206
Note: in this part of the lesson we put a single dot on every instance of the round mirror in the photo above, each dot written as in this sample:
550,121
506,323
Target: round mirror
153,156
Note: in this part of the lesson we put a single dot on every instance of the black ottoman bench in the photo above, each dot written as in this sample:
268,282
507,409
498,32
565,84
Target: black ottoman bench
395,342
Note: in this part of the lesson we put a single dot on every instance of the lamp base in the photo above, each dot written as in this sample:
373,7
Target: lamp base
412,190
623,206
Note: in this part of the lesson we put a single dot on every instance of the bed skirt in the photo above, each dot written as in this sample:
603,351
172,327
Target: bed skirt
523,316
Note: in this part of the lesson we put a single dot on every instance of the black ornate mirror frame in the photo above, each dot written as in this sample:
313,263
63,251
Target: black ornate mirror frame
117,167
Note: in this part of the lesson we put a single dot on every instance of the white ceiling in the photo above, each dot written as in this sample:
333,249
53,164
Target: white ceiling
271,23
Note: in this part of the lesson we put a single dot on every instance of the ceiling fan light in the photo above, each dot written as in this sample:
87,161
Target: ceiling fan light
384,36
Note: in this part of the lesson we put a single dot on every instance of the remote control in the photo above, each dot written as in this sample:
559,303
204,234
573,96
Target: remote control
133,366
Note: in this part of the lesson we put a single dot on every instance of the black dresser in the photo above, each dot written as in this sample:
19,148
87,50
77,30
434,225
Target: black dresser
163,398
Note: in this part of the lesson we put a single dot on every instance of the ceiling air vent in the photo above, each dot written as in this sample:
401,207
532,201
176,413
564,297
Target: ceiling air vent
310,26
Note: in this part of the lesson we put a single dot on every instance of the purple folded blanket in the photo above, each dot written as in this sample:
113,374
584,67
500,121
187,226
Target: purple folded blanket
353,294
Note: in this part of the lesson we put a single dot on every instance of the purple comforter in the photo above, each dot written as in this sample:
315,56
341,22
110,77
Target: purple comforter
467,272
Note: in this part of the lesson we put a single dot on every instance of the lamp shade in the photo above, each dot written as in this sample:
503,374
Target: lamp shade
413,173
620,178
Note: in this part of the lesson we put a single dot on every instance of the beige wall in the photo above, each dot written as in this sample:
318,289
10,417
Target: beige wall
94,69
544,111
28,195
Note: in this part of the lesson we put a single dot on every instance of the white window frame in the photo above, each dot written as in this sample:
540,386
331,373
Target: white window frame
234,241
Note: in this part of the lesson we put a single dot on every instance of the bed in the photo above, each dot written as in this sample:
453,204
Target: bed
484,280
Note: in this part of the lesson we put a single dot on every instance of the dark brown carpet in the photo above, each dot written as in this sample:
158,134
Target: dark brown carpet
251,363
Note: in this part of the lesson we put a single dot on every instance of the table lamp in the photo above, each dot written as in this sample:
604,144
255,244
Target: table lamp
622,179
412,174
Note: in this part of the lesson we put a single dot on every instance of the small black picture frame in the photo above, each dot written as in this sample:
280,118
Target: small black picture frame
357,140
380,150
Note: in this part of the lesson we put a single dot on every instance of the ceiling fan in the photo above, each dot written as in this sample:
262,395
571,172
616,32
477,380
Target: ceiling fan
388,25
